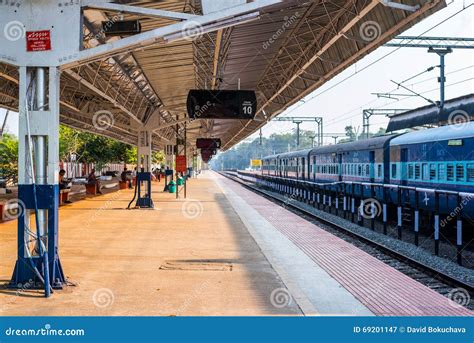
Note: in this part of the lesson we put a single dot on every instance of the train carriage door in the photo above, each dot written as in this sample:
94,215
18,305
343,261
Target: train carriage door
372,166
339,164
303,174
403,165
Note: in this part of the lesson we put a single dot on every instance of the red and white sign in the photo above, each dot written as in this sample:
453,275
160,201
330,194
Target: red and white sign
38,40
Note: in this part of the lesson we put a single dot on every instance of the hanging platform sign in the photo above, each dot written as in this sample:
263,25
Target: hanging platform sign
208,143
181,164
38,40
221,104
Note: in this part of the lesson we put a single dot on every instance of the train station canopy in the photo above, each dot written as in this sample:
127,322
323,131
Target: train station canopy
283,50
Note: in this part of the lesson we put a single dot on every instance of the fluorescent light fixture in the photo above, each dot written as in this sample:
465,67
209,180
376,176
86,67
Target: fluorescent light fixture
399,6
200,30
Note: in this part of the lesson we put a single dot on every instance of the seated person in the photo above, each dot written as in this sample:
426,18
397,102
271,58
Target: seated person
126,177
92,180
64,183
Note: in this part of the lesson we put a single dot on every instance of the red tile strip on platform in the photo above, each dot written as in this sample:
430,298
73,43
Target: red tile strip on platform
381,288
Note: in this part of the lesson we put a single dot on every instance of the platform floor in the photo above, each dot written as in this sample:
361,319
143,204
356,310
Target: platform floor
383,290
210,263
222,251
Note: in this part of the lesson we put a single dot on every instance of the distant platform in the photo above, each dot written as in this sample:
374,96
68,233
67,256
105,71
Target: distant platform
223,251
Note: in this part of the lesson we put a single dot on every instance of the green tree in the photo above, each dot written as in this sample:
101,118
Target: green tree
158,157
9,157
69,142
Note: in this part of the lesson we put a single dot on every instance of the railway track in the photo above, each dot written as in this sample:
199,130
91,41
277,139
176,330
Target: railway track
438,281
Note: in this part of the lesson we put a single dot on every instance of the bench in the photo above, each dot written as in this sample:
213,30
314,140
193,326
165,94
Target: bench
91,188
123,185
64,195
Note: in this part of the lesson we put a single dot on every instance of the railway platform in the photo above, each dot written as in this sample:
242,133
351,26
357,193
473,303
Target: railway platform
222,251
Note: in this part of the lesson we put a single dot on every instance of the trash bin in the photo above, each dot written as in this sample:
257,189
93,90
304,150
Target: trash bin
180,181
172,187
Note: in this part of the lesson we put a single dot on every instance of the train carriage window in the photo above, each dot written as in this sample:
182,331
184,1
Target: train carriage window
367,170
460,172
417,171
394,171
379,172
359,170
432,171
425,171
441,172
470,172
410,171
450,172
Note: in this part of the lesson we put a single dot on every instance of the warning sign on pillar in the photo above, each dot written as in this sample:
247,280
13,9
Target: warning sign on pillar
38,40
181,164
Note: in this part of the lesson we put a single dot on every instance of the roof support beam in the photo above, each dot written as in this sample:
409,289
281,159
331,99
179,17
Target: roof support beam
209,22
149,12
326,46
78,78
310,61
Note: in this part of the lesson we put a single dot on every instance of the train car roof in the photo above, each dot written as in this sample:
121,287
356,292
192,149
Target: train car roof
365,144
270,157
464,130
299,153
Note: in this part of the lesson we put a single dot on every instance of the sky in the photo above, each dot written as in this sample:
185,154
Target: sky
341,103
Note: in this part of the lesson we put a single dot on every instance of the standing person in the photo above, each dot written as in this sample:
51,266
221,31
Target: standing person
92,179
